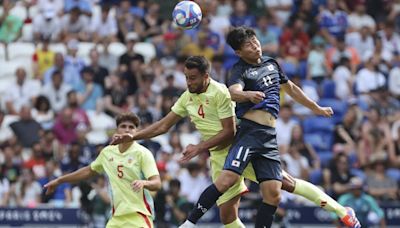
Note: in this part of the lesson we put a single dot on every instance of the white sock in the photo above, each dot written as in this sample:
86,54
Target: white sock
187,224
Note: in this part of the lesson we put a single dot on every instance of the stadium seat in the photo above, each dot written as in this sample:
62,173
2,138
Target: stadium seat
84,50
317,124
27,33
319,141
146,49
325,157
289,68
116,48
328,89
19,11
315,177
394,174
359,173
309,83
20,50
58,47
2,52
339,108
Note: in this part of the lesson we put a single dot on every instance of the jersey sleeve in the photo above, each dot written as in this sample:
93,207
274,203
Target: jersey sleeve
282,76
225,106
374,206
149,167
97,165
236,76
179,107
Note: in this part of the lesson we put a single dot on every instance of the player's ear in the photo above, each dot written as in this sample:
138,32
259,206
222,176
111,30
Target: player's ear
238,53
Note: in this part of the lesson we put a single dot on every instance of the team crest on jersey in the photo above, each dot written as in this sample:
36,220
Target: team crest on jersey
207,102
130,159
270,67
253,73
190,99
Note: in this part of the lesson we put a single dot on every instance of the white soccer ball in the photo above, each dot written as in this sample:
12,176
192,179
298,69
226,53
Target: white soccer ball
187,14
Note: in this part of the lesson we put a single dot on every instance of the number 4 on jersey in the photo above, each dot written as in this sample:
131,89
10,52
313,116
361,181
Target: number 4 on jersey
200,111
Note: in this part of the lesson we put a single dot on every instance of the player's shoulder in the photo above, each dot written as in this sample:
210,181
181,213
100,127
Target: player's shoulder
142,150
109,149
271,64
217,88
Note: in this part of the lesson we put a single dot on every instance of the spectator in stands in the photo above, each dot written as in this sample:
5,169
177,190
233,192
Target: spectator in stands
294,43
168,48
285,124
65,126
340,50
83,6
310,89
368,78
72,59
359,18
304,149
56,91
36,161
62,194
193,177
346,133
20,93
144,109
177,206
70,76
47,24
396,137
75,25
388,106
117,99
78,114
52,149
383,56
279,10
89,91
332,22
199,48
132,78
27,190
297,164
125,59
100,201
5,131
106,58
27,130
394,82
218,72
57,5
42,112
337,176
127,22
74,160
361,40
344,79
100,125
268,40
100,72
390,39
10,26
240,15
11,168
307,12
42,59
317,66
367,210
380,185
152,24
104,25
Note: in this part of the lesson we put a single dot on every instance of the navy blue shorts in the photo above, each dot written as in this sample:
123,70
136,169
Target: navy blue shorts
257,144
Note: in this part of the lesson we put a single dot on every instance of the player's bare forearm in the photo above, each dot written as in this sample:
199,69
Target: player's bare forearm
158,128
299,96
153,183
240,96
81,174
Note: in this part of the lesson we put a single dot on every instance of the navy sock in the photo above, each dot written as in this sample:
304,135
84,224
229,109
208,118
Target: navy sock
265,215
207,199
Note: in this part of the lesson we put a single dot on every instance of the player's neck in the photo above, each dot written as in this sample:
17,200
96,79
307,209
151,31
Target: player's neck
252,62
206,87
123,147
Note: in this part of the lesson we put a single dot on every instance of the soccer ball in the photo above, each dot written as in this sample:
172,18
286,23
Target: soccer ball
187,14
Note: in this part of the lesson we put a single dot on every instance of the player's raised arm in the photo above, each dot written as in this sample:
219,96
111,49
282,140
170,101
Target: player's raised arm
299,96
158,128
81,174
238,95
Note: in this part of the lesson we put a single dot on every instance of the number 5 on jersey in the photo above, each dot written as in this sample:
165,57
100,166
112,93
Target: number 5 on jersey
200,111
120,171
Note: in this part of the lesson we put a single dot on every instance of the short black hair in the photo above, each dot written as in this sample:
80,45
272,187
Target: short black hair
237,36
128,116
198,62
174,183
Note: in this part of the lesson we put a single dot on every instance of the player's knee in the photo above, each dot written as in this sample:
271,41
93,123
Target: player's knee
227,216
274,196
226,180
271,192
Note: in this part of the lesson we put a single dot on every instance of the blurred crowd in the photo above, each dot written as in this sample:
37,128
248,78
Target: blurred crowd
57,114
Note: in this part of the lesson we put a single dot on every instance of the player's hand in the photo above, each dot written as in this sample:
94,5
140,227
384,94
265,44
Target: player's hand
324,111
121,138
190,152
138,185
51,186
255,96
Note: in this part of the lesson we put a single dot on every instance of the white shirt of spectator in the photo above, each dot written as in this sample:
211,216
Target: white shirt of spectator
4,188
354,39
5,130
31,193
392,44
283,15
358,21
394,81
81,25
57,98
367,80
100,122
104,28
22,95
341,76
299,109
48,29
284,131
187,182
57,5
294,165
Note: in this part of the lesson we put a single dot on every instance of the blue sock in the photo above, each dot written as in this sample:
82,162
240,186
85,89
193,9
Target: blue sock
265,215
207,199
